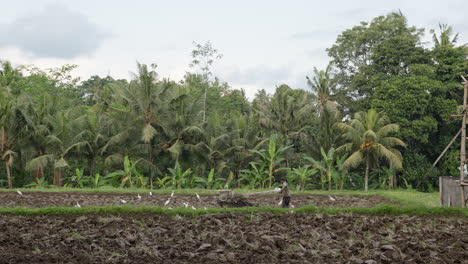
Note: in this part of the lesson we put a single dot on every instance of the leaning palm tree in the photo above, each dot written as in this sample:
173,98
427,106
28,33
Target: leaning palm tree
369,142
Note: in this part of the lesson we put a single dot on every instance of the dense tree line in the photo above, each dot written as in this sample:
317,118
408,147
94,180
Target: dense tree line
377,116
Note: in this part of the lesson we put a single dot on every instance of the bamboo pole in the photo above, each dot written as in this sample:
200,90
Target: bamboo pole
446,148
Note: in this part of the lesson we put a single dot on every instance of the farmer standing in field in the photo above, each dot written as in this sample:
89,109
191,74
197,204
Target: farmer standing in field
284,191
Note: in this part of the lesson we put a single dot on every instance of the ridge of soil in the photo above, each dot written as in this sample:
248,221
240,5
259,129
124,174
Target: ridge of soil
233,238
47,199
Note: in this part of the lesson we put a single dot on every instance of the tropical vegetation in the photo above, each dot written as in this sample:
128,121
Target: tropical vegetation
377,116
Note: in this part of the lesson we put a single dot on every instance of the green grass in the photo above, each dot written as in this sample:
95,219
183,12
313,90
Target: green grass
378,210
406,197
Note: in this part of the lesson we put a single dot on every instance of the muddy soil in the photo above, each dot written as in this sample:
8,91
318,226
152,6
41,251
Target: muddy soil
233,238
45,199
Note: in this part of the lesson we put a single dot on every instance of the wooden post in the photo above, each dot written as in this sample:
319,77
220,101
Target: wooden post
463,146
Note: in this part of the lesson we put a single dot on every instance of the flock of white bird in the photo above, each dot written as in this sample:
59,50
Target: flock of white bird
172,195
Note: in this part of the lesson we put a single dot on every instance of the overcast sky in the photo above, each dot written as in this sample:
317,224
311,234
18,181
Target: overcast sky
264,43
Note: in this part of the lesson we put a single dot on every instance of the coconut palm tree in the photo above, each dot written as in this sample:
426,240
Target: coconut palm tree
244,135
445,37
12,126
328,114
143,100
61,143
321,86
7,129
287,112
369,141
37,115
93,135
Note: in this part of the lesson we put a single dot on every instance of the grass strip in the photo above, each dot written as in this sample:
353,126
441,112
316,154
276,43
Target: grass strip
381,210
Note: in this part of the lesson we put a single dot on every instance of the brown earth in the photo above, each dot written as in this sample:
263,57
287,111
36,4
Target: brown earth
233,238
46,199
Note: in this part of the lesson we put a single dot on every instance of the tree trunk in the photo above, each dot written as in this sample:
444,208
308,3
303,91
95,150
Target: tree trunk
271,175
8,172
204,106
322,180
150,178
366,178
329,181
238,177
91,165
40,171
58,177
37,174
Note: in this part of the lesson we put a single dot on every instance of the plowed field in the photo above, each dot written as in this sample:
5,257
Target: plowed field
47,199
232,238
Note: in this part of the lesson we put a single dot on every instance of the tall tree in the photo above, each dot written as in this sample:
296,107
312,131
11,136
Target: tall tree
371,52
327,109
203,57
144,98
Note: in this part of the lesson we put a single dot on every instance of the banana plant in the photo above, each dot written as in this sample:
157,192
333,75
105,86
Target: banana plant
271,157
300,176
211,182
340,175
78,180
99,181
164,182
180,178
41,183
326,166
129,176
255,177
382,177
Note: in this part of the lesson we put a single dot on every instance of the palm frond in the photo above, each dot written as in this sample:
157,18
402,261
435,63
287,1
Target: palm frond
354,160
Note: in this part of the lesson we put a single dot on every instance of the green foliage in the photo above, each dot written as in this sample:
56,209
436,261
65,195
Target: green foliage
98,181
331,168
211,182
418,174
382,178
271,157
181,178
78,180
370,52
164,182
412,103
370,141
41,183
224,140
129,176
301,176
256,177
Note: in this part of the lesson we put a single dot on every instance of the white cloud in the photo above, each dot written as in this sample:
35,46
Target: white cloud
55,32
